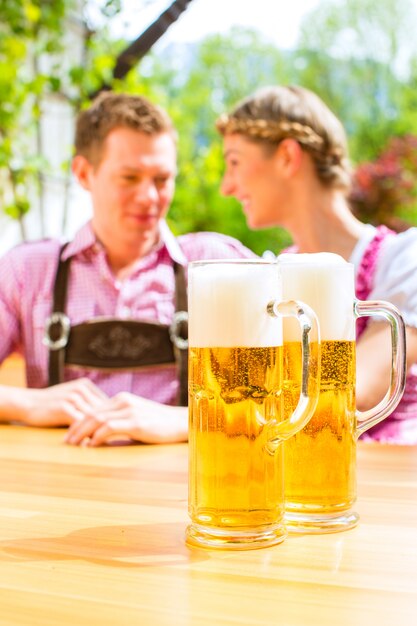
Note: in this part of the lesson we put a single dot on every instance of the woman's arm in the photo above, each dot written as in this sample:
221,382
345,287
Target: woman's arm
373,362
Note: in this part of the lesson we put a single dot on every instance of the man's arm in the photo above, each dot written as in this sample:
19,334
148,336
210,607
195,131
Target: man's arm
133,417
59,405
373,371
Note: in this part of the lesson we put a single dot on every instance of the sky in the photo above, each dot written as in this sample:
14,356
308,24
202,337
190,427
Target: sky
277,20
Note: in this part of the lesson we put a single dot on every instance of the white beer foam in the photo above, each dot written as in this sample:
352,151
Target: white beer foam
324,281
228,304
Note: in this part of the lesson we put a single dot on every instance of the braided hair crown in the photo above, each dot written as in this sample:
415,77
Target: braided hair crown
272,114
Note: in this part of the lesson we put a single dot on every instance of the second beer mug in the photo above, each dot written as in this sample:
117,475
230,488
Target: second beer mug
236,491
320,461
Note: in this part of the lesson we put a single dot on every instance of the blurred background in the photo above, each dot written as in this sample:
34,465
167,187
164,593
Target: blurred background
197,58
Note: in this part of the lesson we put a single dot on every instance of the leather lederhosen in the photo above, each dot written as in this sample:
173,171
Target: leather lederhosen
112,344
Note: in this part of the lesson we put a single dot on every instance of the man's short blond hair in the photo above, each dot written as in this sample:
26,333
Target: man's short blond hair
117,110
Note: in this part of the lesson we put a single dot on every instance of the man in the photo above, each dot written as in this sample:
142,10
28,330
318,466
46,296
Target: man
125,265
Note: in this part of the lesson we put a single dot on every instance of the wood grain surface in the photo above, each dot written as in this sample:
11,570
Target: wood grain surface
96,536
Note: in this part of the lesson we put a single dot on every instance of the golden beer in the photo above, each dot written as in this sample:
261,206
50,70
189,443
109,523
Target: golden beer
236,410
233,394
320,460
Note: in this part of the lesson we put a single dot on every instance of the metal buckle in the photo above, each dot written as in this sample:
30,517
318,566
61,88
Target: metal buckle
177,340
64,322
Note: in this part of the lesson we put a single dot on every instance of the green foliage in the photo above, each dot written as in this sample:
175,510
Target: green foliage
32,66
221,71
360,57
29,30
357,55
385,190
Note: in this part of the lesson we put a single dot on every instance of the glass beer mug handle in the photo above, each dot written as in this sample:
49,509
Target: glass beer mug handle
390,313
310,374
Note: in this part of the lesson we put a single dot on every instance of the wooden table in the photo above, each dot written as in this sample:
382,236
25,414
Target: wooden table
96,536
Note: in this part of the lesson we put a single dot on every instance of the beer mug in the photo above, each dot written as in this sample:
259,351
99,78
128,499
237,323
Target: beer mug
320,460
236,424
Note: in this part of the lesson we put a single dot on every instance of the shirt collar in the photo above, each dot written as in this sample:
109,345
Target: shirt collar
85,239
171,244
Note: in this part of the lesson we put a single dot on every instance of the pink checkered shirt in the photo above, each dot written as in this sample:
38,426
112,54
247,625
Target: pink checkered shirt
27,274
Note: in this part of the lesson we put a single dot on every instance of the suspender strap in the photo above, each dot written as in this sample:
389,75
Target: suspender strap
58,325
179,336
91,345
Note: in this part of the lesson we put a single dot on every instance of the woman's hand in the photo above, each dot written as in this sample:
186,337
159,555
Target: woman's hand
373,362
132,417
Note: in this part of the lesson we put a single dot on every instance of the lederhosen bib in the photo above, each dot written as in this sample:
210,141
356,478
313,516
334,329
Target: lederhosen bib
114,344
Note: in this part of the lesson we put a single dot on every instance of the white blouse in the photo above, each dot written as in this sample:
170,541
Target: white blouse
395,278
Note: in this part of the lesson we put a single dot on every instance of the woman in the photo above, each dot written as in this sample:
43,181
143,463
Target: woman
287,163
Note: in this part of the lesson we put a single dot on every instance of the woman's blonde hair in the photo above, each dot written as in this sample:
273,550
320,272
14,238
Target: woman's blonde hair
272,114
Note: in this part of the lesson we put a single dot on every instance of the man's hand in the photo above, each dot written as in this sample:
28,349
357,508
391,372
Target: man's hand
60,405
132,417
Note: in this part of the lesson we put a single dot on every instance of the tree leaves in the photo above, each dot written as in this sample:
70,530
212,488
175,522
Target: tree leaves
349,53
